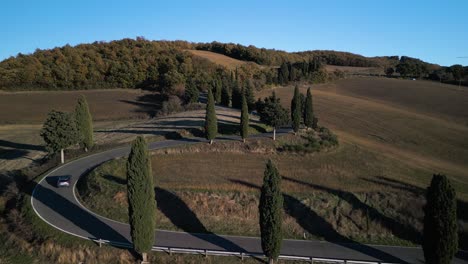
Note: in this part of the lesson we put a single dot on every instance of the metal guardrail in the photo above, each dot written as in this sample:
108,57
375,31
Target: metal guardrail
241,255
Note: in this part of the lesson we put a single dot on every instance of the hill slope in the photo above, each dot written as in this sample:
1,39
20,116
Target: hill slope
419,123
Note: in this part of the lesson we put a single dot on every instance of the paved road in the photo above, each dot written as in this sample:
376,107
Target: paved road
61,209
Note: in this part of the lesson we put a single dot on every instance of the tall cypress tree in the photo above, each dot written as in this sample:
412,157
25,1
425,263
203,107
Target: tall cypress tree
249,95
211,123
141,198
440,239
296,110
218,90
59,132
308,110
225,95
236,95
84,123
244,122
271,208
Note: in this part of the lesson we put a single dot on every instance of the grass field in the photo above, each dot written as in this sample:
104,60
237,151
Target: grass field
220,59
399,119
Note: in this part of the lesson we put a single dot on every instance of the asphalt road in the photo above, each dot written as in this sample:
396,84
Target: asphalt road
60,208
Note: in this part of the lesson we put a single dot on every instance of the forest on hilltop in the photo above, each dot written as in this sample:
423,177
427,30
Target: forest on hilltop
166,66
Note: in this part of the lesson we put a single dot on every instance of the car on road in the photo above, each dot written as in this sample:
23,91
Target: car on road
63,181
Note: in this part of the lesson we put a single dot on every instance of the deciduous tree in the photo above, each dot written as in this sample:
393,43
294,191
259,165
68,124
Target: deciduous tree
59,132
272,113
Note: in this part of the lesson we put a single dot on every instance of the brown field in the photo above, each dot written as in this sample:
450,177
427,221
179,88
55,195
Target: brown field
354,70
388,116
220,59
116,104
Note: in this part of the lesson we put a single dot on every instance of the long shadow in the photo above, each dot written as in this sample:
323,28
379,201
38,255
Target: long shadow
148,103
184,218
318,226
12,154
81,218
462,206
9,144
402,231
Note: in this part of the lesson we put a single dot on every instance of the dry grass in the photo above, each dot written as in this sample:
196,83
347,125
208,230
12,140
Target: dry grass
32,107
354,70
388,117
220,59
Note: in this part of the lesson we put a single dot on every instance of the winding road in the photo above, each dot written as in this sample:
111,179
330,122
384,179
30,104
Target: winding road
60,208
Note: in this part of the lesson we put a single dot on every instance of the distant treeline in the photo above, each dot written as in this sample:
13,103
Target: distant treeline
166,66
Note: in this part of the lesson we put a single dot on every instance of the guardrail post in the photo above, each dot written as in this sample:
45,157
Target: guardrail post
100,242
170,251
242,256
206,253
312,260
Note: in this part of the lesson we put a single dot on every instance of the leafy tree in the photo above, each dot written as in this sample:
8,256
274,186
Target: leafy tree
59,132
440,239
271,208
457,71
296,110
389,71
191,92
272,113
84,123
141,198
211,123
244,122
308,110
225,96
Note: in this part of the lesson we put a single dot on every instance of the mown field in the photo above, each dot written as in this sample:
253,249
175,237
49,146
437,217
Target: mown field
32,107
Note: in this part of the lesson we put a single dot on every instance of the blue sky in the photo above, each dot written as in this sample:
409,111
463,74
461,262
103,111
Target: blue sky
435,31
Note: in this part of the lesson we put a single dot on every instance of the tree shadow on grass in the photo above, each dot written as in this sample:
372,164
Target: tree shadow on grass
184,218
318,226
148,103
400,230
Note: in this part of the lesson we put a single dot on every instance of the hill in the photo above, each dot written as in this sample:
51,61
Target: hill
165,66
419,123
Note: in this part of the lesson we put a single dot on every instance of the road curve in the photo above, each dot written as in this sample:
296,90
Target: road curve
60,208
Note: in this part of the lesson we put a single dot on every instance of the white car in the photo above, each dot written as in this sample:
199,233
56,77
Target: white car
63,181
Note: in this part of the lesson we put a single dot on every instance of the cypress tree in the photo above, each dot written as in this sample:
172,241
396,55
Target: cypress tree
211,124
249,96
440,238
191,92
84,123
296,110
218,90
141,198
244,122
271,208
59,132
225,96
236,95
308,110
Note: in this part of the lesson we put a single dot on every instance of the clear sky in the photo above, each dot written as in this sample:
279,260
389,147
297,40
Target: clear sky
435,31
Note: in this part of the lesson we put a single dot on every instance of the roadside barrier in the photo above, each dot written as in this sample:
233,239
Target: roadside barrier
241,255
